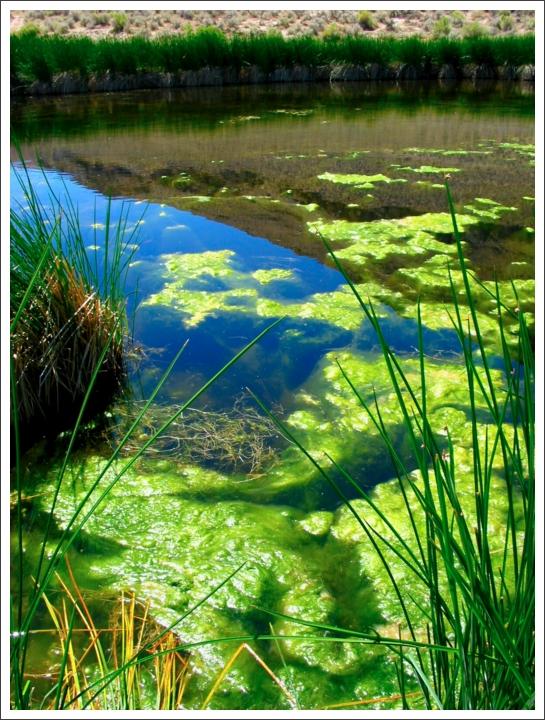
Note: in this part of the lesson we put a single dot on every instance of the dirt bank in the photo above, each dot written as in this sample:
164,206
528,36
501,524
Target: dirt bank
71,83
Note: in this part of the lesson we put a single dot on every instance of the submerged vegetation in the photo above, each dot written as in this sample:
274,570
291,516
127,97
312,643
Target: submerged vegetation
238,440
41,57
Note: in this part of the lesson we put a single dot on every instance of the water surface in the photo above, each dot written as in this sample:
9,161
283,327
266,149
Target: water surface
232,189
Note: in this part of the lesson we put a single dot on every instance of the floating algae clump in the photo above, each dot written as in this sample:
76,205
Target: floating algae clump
264,277
447,408
429,184
492,211
329,420
364,182
433,277
427,169
348,533
189,290
414,235
195,265
447,153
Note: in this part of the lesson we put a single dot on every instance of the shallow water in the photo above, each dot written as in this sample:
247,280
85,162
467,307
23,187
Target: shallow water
230,188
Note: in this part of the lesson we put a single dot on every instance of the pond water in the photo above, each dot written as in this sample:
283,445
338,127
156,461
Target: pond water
229,192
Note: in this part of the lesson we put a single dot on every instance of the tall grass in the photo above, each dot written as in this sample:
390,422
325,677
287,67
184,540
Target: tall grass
477,600
36,57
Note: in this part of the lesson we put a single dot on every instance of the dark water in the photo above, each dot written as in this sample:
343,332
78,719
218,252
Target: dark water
227,186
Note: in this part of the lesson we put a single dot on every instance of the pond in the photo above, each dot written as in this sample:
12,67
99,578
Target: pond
229,193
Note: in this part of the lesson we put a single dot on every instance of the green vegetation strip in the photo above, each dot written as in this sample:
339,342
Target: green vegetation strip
37,57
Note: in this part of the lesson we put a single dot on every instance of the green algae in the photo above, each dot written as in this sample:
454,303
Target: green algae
187,290
447,407
309,207
337,308
526,149
264,277
422,238
361,182
427,169
158,537
353,155
366,242
317,523
195,265
429,184
193,198
245,118
494,210
447,153
293,113
388,497
487,201
329,419
431,281
433,275
182,180
172,550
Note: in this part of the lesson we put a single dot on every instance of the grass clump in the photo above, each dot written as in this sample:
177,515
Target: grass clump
441,28
366,20
91,656
474,30
505,21
119,21
74,314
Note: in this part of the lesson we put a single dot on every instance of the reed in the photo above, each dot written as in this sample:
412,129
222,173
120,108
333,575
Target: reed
37,57
478,601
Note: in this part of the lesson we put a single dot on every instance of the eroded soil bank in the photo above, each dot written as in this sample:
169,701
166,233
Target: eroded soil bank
69,83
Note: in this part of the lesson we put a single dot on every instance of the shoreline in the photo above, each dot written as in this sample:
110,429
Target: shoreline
69,83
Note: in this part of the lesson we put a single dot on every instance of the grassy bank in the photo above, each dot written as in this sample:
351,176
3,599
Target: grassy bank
37,57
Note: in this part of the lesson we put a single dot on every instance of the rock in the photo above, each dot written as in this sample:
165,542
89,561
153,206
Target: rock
527,73
483,72
409,72
447,72
508,72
